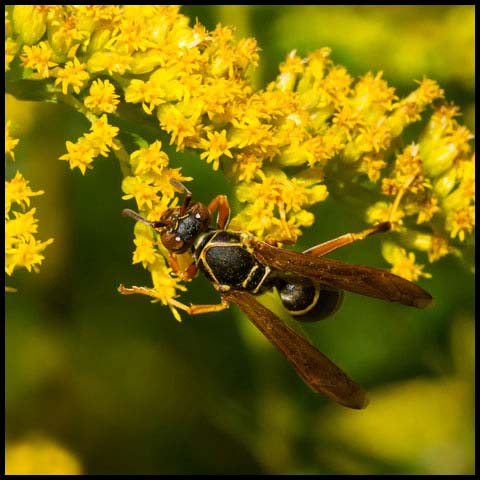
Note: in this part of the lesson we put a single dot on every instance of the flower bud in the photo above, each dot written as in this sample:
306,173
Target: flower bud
29,23
446,183
440,159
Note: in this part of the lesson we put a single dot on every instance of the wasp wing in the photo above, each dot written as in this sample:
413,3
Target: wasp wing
313,366
373,282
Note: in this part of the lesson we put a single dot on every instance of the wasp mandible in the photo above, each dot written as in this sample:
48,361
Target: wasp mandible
310,287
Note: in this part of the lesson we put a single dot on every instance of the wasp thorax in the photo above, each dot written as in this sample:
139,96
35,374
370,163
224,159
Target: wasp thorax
181,226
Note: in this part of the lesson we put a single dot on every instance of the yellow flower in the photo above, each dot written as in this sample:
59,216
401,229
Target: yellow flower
150,93
144,193
374,138
407,110
21,228
403,262
461,221
80,154
26,254
10,142
439,247
18,191
73,75
102,97
373,95
252,134
97,142
246,166
408,166
275,192
382,212
38,57
372,165
145,251
110,62
101,136
180,127
289,71
21,247
166,285
444,143
216,146
427,209
150,159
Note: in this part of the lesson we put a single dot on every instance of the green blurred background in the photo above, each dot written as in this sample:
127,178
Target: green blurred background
123,388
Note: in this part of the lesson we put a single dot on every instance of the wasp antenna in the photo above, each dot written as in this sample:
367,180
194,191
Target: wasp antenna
180,187
130,213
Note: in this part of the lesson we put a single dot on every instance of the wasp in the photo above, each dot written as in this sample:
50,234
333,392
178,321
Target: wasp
310,287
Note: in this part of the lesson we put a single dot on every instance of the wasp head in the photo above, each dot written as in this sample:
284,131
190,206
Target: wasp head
179,227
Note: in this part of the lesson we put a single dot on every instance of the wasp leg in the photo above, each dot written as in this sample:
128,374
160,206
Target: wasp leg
220,202
193,309
331,245
190,309
140,290
187,273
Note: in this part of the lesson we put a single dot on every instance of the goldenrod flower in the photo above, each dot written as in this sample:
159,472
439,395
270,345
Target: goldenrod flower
144,193
182,128
73,75
38,58
10,142
109,62
102,97
26,254
22,249
215,146
80,155
145,251
276,194
404,263
150,93
101,136
18,191
97,142
149,160
461,221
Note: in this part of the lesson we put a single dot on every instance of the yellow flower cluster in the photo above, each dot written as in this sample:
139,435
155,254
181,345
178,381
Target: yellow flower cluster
98,141
37,454
150,177
312,132
22,248
440,195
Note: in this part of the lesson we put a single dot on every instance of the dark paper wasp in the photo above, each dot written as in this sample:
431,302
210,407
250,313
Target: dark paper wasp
309,286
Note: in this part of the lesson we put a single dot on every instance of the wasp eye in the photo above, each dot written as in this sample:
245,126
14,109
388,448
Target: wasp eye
172,241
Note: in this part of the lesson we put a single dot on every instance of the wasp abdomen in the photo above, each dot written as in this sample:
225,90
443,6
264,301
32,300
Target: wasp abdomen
305,300
224,259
